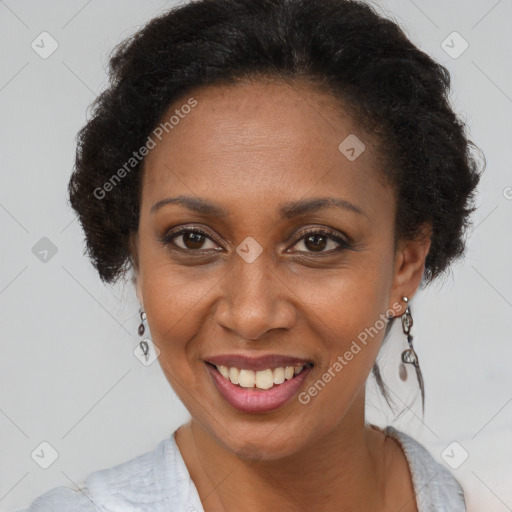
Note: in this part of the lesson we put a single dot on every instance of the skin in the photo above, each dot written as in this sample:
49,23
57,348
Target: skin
249,147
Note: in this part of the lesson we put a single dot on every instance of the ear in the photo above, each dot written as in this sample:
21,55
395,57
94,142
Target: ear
133,244
138,290
409,267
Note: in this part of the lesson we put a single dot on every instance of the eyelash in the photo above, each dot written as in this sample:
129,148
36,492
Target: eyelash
167,239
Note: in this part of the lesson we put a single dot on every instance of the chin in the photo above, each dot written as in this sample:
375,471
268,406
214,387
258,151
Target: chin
263,441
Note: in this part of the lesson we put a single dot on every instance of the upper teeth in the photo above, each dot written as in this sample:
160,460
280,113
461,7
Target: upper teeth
264,379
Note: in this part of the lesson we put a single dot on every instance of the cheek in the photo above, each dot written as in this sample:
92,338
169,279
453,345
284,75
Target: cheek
349,319
346,314
176,301
171,305
172,301
172,293
348,327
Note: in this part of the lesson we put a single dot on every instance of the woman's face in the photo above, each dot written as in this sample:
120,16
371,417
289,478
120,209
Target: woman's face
258,282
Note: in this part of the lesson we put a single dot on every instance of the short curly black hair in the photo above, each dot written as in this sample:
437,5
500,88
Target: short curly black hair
394,90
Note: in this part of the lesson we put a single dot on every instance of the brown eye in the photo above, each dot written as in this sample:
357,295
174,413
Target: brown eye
191,239
315,242
318,240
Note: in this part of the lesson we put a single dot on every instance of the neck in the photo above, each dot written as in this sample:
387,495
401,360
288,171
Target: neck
341,471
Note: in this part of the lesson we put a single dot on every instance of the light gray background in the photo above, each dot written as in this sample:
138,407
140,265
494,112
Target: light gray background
68,373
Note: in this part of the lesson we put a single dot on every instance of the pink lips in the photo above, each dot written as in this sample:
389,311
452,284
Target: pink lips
252,400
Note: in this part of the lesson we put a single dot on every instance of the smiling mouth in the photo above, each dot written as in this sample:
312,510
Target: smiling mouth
261,379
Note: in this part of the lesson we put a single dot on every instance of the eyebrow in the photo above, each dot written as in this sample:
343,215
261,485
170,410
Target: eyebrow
286,210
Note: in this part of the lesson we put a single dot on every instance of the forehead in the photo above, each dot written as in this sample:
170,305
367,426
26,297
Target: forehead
252,137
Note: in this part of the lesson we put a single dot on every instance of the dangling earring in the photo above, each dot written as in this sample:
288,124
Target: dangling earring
144,346
409,355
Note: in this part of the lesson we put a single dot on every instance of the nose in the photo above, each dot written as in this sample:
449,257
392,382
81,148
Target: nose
254,299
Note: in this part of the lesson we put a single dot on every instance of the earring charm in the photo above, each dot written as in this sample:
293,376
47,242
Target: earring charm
409,355
144,345
142,329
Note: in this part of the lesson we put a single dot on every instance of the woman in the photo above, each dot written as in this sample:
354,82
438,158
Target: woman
279,176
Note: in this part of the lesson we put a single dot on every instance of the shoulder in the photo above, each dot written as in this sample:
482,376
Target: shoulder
435,487
157,480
